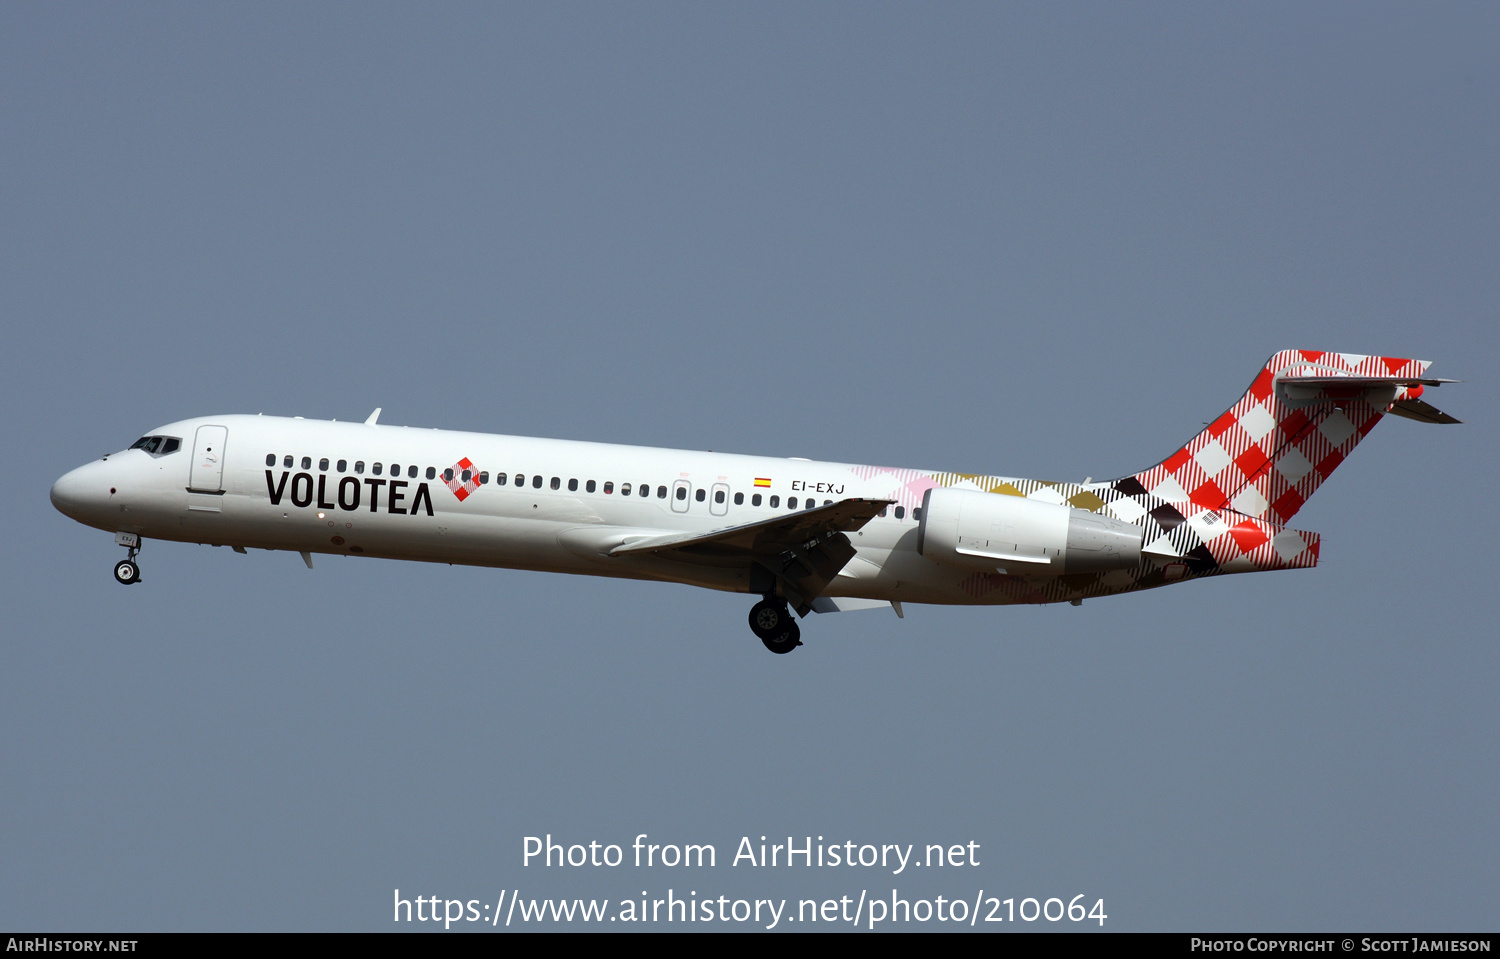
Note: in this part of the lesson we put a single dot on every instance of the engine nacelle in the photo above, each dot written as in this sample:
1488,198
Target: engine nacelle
987,531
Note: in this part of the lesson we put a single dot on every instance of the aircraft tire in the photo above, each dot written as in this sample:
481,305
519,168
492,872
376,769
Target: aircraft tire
786,642
127,573
769,619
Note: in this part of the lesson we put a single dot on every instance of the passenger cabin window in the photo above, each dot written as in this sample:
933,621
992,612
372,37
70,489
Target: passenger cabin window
520,479
359,466
499,479
916,512
395,470
484,477
431,472
718,496
661,492
609,486
323,465
270,459
739,499
775,501
556,483
572,486
411,472
700,495
448,475
588,487
754,500
307,462
343,465
791,502
645,489
536,481
624,489
286,461
901,512
375,468
682,492
467,475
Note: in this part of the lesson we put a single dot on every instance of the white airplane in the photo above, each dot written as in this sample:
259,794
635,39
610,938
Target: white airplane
801,534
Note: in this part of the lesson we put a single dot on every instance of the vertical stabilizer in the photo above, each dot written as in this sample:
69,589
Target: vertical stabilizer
1268,453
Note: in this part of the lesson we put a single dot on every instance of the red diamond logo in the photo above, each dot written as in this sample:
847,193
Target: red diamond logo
462,478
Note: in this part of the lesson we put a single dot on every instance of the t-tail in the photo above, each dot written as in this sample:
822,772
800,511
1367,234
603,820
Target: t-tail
1251,470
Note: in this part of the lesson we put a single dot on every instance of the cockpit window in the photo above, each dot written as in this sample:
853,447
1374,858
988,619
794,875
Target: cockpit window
157,445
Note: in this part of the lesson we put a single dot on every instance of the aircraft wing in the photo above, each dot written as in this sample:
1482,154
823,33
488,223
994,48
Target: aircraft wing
797,554
769,537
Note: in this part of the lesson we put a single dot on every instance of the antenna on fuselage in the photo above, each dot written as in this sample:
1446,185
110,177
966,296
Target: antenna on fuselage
373,417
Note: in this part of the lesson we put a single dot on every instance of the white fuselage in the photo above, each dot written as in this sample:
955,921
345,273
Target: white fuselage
276,483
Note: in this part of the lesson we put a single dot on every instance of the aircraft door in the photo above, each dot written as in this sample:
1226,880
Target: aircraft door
718,499
207,475
682,495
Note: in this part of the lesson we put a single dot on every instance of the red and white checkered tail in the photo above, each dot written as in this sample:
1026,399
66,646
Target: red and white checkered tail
1304,412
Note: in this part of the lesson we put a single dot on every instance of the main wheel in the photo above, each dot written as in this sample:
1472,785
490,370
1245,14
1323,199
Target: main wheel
126,572
786,642
769,619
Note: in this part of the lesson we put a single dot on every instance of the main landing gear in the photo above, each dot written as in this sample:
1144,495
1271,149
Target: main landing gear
127,570
773,623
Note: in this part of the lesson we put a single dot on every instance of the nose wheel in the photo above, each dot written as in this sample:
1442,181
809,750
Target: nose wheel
772,622
127,570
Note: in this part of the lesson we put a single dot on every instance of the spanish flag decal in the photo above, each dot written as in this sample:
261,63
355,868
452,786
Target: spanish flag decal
761,481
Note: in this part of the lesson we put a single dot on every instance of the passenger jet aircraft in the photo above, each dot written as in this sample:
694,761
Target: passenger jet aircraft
802,535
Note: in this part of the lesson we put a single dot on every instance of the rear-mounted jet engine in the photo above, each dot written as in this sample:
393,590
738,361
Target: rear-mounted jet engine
977,530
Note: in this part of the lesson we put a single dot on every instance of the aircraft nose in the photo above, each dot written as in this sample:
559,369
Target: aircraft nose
80,492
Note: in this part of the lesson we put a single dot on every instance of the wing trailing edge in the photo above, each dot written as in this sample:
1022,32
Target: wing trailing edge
767,537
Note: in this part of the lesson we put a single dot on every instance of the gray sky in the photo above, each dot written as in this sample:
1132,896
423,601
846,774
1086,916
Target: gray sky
1041,241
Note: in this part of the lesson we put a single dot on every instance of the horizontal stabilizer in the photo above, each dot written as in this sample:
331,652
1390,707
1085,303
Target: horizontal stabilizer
1422,412
1361,382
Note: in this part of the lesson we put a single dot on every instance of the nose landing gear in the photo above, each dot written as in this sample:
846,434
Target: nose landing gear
772,622
127,570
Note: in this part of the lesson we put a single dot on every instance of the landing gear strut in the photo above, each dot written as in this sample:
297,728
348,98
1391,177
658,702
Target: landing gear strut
127,570
773,623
